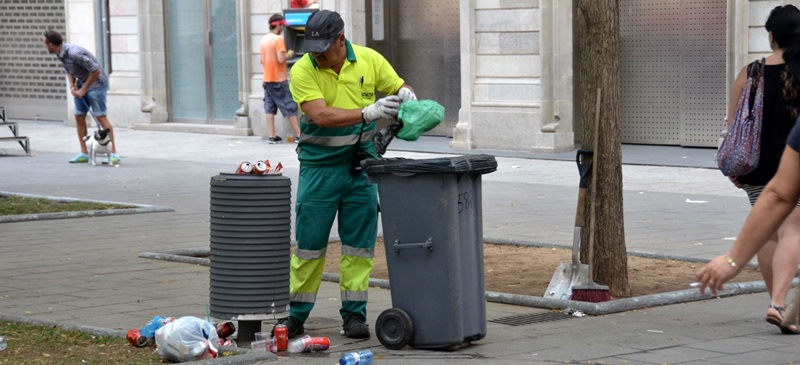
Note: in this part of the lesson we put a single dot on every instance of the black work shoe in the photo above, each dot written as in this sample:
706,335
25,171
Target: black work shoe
294,327
355,326
275,139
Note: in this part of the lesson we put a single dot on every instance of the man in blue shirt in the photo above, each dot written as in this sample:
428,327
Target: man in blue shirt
88,84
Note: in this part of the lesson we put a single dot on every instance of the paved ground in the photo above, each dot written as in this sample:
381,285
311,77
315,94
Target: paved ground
86,271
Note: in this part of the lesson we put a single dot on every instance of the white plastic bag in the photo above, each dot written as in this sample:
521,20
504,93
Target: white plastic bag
186,339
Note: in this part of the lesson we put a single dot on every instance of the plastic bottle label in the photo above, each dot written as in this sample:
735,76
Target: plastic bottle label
309,344
362,357
318,344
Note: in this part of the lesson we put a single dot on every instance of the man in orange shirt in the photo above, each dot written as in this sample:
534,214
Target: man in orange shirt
276,83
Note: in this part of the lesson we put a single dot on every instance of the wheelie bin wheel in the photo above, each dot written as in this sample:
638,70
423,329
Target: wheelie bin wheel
394,328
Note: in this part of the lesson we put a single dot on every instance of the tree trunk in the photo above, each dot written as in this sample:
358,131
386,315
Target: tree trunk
597,39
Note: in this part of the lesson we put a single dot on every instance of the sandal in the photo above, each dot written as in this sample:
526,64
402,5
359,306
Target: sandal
777,320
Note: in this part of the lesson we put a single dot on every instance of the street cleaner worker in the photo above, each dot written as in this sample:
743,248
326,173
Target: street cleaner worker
335,85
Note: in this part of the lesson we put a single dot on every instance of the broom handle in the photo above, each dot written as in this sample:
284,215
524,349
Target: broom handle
590,249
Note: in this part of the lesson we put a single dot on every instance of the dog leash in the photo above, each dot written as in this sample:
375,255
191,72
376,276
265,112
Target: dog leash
89,110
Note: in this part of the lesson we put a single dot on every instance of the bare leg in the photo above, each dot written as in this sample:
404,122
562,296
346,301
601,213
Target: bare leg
765,256
295,125
107,125
271,124
80,124
783,262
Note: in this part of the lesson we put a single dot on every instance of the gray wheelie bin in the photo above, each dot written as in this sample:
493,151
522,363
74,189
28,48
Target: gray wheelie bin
433,232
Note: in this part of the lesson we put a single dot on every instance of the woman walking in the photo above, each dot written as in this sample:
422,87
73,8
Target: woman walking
778,257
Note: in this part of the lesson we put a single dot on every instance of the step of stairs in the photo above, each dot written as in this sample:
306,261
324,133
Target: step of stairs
227,130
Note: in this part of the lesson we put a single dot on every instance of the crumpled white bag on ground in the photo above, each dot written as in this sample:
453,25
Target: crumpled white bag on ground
186,339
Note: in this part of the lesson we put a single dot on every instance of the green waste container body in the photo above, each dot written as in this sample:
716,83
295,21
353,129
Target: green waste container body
433,232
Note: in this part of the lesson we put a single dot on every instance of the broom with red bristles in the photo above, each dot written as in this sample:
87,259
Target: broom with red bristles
591,291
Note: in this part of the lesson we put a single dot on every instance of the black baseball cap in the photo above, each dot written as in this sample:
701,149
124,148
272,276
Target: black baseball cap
322,27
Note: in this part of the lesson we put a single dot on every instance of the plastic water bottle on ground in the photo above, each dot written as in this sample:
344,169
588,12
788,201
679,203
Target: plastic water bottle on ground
361,357
3,343
149,330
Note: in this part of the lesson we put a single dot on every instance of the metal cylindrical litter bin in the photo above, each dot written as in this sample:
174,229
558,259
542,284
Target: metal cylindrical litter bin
250,246
431,213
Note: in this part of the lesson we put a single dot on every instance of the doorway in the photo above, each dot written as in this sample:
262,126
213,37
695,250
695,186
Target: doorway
673,68
421,39
33,84
202,61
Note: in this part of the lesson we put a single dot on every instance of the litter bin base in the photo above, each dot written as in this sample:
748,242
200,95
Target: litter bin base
246,332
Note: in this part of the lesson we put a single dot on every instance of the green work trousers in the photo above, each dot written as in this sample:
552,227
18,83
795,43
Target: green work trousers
325,193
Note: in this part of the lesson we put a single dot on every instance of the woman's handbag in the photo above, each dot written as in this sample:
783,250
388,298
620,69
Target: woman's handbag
740,150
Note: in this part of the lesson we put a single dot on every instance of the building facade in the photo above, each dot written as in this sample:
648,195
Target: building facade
506,67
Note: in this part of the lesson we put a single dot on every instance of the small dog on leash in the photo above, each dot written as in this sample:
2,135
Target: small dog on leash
99,144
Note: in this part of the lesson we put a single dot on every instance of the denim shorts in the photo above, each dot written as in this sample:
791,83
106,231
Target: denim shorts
95,99
277,95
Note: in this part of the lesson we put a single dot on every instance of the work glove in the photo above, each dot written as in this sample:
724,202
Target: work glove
386,107
406,94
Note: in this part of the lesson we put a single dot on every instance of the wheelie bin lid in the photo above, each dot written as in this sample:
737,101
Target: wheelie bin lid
479,164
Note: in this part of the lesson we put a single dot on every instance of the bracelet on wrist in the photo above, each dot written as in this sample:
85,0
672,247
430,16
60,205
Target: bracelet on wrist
731,262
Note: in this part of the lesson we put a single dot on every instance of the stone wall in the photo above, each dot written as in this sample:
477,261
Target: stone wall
517,61
125,77
80,31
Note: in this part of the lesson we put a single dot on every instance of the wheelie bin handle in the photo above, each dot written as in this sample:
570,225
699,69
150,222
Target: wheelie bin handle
399,246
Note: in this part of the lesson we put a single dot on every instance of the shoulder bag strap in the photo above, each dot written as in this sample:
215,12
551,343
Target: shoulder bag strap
756,72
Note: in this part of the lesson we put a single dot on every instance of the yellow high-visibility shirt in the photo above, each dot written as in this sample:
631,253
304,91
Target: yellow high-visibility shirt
364,73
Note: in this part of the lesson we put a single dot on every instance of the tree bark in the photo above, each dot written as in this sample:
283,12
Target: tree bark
597,39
